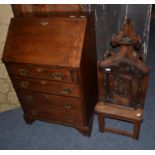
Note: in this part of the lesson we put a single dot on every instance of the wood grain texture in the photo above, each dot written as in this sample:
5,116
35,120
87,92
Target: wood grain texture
62,52
127,114
66,89
88,71
49,73
35,99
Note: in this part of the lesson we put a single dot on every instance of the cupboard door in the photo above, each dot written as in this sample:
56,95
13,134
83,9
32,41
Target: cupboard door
120,89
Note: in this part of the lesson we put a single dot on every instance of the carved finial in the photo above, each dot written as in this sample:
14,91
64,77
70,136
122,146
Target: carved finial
127,40
126,36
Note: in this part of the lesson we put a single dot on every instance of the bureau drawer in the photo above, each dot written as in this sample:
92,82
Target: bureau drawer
58,116
53,87
58,74
32,99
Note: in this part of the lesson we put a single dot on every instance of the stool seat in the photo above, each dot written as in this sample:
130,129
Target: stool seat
131,114
134,116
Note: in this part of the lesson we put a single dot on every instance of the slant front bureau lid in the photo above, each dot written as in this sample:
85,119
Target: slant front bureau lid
56,41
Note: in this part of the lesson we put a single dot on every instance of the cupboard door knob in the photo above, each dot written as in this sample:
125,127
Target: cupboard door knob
57,75
67,106
65,90
24,84
23,71
138,114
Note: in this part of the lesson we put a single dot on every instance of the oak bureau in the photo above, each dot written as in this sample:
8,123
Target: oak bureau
52,64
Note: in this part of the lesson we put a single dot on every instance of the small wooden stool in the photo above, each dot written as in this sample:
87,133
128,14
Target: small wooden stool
133,116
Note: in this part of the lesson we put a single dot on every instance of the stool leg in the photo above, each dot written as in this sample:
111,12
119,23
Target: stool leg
101,121
136,129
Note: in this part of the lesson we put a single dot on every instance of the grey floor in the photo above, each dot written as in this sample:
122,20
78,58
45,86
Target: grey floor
15,134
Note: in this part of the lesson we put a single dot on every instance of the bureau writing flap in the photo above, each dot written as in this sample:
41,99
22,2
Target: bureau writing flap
46,41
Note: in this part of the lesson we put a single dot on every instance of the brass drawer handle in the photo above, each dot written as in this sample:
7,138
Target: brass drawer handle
57,75
23,71
29,98
67,106
65,90
70,119
24,84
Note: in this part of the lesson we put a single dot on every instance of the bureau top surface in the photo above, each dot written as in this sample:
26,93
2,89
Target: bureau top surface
46,41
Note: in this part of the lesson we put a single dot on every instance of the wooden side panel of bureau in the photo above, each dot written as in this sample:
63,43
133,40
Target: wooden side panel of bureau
52,65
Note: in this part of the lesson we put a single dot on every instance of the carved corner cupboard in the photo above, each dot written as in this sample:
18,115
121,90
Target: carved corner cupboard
124,75
52,64
123,80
